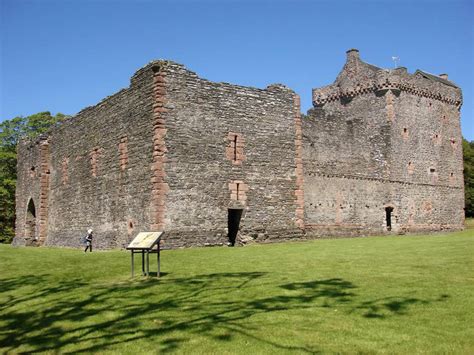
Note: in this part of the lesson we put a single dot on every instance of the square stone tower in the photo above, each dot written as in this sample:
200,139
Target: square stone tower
382,153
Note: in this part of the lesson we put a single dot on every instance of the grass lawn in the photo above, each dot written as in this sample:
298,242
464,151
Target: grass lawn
365,295
469,223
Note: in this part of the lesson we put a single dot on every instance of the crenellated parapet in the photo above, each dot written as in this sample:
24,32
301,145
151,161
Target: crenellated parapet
359,78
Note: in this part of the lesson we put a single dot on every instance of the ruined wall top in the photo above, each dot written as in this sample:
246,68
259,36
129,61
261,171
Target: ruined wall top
154,66
358,77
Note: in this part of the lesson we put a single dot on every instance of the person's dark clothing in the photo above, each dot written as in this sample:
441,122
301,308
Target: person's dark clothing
88,242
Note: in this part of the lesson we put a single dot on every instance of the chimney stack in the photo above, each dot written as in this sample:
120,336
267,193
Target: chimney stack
352,54
443,76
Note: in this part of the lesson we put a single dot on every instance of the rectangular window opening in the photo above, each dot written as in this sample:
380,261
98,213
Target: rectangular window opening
235,148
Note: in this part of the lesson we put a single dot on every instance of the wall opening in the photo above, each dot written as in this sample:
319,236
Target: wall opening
235,148
388,217
233,222
30,223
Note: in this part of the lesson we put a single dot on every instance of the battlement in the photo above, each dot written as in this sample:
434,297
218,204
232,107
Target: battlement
358,77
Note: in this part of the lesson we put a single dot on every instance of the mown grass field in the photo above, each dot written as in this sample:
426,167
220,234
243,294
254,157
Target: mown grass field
367,295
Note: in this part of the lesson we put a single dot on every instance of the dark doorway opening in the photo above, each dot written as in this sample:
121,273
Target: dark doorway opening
30,223
233,222
388,217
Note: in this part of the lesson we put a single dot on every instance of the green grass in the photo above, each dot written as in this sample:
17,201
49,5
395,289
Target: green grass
469,223
365,295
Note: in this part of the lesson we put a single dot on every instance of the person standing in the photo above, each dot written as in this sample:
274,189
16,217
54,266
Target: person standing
89,238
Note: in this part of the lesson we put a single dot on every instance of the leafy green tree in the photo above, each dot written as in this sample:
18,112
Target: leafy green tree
10,133
468,152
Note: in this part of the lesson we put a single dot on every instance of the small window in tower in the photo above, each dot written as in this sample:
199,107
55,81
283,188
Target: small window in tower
235,148
405,133
432,170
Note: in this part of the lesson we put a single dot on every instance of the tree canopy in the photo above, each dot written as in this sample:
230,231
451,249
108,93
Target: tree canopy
468,152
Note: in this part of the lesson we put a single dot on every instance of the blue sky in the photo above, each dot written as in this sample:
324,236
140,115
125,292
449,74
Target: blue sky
64,55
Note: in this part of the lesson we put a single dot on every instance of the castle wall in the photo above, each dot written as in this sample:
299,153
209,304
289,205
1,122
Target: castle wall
227,147
173,152
346,152
426,134
31,177
380,139
196,159
99,171
344,206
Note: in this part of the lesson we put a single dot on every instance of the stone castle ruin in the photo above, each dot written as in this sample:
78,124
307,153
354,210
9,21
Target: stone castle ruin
379,153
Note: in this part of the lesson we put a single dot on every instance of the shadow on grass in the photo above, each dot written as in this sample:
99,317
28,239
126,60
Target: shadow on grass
167,311
389,306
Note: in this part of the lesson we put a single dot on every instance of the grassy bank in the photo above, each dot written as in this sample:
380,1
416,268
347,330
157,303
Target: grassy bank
381,294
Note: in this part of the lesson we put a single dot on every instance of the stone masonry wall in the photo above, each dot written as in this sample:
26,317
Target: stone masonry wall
383,138
228,147
174,152
30,177
179,153
100,171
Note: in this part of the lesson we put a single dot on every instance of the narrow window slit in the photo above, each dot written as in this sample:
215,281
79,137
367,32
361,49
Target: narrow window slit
235,148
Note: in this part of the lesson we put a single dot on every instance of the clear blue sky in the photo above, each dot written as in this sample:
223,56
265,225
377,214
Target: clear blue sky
64,55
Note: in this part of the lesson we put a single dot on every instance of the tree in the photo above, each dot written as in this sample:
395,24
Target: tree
10,133
468,153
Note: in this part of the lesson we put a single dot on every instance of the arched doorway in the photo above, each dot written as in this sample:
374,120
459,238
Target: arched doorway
30,223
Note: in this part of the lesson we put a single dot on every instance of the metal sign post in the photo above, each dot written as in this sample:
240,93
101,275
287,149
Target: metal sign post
144,244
